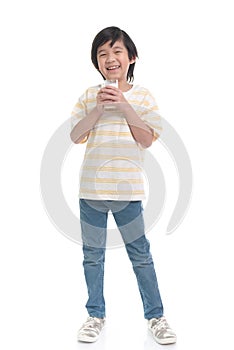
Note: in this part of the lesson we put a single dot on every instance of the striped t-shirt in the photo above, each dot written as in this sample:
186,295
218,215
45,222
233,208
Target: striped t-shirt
113,164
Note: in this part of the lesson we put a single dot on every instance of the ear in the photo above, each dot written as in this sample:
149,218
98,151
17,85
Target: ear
133,60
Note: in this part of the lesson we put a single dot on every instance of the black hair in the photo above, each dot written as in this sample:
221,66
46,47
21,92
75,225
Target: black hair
114,34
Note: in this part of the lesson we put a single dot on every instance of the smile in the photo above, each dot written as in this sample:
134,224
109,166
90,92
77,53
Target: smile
113,67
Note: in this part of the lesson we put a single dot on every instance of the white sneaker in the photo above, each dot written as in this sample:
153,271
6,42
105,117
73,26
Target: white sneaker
91,329
161,331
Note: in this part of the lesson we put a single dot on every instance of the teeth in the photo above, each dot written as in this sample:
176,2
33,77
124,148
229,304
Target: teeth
114,67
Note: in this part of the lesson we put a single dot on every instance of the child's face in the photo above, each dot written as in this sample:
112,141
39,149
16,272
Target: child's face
113,62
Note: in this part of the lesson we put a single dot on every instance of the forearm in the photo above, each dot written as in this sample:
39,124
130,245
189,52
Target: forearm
140,131
81,130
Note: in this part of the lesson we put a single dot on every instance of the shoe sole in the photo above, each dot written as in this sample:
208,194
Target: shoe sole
165,341
85,339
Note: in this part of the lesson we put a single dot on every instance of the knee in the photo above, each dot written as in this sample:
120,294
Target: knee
93,256
141,260
139,252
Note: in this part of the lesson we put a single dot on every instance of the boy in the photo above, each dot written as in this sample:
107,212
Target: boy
118,123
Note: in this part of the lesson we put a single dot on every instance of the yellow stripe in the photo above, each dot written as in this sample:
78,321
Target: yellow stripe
85,190
94,89
92,98
141,93
143,103
111,181
111,121
110,133
109,156
79,106
157,127
110,168
154,108
111,145
135,102
154,117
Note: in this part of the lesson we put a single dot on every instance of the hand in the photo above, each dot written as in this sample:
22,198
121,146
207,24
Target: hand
110,95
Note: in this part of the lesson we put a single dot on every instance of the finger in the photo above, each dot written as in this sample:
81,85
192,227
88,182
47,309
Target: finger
110,90
99,98
110,87
107,98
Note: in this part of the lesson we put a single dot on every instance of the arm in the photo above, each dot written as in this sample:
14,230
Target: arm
81,130
141,132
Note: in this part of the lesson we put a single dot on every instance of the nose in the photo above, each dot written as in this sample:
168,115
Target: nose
110,58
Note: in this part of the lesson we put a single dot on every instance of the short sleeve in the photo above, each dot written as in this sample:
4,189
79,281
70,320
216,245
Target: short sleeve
150,115
78,112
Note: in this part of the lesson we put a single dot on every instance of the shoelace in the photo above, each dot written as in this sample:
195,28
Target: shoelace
91,323
160,324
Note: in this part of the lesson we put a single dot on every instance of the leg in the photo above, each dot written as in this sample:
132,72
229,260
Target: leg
131,225
143,266
93,225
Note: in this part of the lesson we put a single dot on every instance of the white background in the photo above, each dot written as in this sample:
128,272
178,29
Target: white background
186,60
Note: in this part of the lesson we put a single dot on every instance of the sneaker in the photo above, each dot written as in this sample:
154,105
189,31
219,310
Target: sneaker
91,329
161,331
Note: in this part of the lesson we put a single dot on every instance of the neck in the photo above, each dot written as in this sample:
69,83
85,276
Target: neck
124,86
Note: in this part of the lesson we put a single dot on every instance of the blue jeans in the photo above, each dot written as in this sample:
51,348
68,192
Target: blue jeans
129,219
